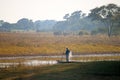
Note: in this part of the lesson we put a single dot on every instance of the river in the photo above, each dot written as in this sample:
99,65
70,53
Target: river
32,60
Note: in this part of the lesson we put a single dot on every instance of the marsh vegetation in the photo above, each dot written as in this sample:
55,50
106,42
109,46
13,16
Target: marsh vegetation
20,44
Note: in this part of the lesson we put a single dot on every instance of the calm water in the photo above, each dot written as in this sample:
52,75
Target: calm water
35,62
27,63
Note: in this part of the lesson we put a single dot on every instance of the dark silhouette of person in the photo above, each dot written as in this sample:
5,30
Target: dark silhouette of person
67,55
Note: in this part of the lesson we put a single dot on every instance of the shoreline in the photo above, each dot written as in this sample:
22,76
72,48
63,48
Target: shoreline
59,56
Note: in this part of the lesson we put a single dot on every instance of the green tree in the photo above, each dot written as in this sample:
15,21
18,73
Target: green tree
25,24
1,22
75,16
71,22
6,26
66,17
106,14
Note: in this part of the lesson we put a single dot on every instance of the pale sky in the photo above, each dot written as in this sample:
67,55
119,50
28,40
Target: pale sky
13,10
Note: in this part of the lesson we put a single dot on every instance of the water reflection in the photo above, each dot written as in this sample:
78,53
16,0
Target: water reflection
39,62
27,63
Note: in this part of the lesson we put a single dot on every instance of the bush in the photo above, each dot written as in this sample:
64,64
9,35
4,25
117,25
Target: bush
83,33
94,32
57,33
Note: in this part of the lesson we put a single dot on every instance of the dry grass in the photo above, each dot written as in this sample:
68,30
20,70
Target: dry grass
47,43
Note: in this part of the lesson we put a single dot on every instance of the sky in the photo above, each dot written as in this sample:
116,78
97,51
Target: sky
13,10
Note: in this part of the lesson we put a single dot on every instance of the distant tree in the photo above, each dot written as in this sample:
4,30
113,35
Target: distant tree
44,25
106,14
75,16
37,25
66,17
71,22
61,26
25,24
117,20
6,26
1,22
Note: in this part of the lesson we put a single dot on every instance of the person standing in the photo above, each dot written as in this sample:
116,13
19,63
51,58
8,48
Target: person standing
68,55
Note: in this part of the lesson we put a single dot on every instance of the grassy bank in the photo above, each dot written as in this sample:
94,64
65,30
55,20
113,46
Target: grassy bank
107,70
47,43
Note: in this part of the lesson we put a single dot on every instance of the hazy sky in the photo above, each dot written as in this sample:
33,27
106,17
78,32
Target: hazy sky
13,10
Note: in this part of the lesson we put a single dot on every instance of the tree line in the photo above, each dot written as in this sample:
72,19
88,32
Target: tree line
104,20
25,24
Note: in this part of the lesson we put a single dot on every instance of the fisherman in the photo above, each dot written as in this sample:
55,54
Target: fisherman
68,55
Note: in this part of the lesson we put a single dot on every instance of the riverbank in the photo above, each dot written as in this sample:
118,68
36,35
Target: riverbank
105,70
61,56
